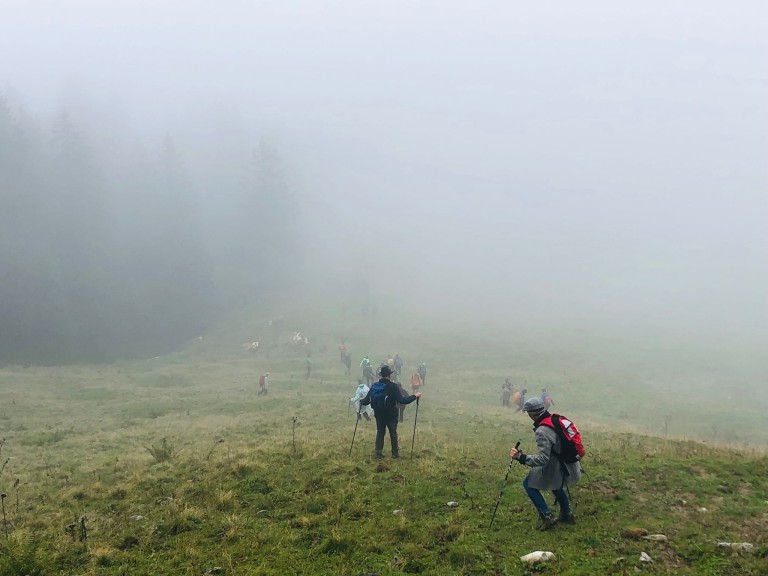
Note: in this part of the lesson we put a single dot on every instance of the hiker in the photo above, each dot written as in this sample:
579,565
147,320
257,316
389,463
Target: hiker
360,393
546,397
342,352
400,407
422,370
368,374
548,471
365,364
384,396
263,384
348,363
506,392
519,399
415,382
398,365
308,364
391,363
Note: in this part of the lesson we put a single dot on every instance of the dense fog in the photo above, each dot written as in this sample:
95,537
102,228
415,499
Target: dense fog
164,164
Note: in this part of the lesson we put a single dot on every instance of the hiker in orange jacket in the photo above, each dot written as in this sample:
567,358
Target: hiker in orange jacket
415,382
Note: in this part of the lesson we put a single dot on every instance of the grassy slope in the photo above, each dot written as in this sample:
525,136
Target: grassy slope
76,440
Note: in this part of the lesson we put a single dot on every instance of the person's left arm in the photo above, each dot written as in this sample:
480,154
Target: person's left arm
403,398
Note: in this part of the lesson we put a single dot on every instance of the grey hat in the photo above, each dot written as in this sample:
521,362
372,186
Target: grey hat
534,405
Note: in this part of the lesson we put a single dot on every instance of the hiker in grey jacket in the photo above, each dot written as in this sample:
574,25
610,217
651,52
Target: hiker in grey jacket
548,472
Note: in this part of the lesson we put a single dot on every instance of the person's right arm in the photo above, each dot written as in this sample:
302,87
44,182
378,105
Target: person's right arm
545,442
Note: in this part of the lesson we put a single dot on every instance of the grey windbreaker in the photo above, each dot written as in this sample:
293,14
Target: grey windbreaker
546,472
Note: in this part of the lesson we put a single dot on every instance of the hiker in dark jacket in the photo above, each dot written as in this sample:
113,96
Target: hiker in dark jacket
547,471
506,392
422,370
387,412
400,407
519,399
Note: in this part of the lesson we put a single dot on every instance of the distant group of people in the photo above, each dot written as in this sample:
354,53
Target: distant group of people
394,363
518,398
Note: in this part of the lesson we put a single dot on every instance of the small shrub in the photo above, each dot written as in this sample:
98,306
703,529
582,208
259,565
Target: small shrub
162,453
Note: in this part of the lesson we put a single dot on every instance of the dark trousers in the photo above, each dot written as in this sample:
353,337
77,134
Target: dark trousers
384,422
401,409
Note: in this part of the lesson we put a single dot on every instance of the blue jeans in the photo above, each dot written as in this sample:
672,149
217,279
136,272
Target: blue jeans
541,505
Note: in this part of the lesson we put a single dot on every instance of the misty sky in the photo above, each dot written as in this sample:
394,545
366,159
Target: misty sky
556,158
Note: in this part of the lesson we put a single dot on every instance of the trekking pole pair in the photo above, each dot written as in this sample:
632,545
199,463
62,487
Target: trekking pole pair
503,486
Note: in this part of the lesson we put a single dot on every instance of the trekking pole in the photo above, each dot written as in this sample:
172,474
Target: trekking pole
293,442
349,403
503,486
353,433
414,427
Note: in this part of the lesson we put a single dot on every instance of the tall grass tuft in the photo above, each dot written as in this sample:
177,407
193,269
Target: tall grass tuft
162,453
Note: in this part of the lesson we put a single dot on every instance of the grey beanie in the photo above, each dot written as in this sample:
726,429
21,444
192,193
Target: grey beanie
534,405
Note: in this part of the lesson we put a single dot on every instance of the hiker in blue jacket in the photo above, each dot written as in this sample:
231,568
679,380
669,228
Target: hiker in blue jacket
384,396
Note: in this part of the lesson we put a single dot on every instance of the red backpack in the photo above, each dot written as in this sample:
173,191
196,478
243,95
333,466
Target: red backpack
571,448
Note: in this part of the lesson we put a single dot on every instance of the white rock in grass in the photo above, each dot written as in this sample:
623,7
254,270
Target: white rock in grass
136,517
655,537
645,558
538,556
701,510
397,512
452,504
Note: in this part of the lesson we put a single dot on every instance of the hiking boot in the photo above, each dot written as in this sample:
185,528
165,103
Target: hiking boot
570,519
395,454
379,454
546,521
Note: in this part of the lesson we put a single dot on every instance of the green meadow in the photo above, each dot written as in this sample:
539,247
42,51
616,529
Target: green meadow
173,465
